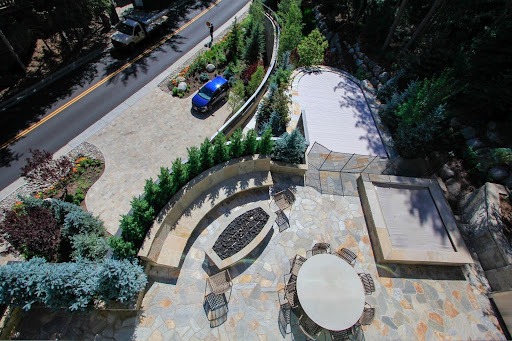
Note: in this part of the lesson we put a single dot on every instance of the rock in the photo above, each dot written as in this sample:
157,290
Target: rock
351,51
468,132
475,143
379,87
493,135
368,75
453,187
446,173
210,67
322,26
508,182
371,64
328,36
336,38
363,68
359,62
377,70
366,59
356,47
182,86
498,173
384,77
455,123
374,82
180,79
360,55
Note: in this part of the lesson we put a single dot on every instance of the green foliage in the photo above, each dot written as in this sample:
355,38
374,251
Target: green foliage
236,96
203,77
220,149
73,285
289,148
312,49
131,230
256,79
250,143
275,124
290,16
206,154
291,35
121,249
153,195
283,71
165,184
194,166
178,175
255,44
265,143
236,148
89,246
502,156
234,42
277,104
142,212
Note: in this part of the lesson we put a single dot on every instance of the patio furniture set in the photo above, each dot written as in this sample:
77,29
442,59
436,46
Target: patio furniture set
318,286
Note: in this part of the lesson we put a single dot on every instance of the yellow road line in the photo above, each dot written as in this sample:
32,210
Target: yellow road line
104,80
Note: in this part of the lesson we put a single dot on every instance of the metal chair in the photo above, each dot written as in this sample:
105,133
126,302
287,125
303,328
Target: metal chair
284,199
309,327
220,283
290,293
217,306
367,316
282,221
367,280
347,255
357,333
284,319
320,248
340,335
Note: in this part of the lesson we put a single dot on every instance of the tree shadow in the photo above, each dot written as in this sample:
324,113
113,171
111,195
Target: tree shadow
7,156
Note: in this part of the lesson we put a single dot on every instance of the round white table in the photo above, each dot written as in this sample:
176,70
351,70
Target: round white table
330,292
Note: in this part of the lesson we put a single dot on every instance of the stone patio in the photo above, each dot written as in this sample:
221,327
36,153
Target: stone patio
412,302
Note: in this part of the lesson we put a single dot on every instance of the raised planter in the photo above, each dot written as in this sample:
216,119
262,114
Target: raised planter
214,245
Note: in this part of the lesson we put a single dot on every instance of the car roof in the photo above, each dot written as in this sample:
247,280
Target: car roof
215,83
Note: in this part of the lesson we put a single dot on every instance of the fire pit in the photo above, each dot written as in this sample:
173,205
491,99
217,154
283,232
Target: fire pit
241,235
240,232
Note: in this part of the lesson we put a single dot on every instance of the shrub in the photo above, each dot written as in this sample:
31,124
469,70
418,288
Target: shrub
178,175
256,79
236,96
311,49
203,77
250,143
153,195
194,162
289,148
275,124
175,91
266,144
220,149
236,148
290,17
206,155
89,246
165,185
122,249
33,231
73,285
255,45
43,171
502,156
234,43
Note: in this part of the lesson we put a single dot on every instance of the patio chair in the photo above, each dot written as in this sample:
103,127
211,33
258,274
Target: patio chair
219,283
347,255
340,335
216,306
367,316
367,280
320,248
290,293
285,318
284,199
309,327
282,221
357,333
295,264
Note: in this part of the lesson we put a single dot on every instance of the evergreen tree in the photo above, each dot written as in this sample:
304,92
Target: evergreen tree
122,249
235,42
312,49
206,155
289,148
236,148
256,79
265,144
250,143
194,162
89,246
220,149
179,176
153,195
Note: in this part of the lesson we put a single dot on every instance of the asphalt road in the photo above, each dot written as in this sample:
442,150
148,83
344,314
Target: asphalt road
84,97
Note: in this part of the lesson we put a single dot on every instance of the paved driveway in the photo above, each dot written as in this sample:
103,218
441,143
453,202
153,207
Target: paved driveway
337,115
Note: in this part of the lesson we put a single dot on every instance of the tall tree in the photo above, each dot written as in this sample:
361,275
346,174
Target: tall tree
398,16
421,27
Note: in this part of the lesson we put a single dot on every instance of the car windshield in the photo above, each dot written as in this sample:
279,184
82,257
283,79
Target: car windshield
205,93
123,28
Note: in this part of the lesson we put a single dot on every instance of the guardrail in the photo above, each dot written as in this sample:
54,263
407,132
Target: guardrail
247,110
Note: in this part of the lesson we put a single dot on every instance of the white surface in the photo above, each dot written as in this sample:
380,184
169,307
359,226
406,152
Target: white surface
412,219
337,114
330,292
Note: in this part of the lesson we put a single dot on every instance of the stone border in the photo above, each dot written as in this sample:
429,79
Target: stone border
224,221
381,242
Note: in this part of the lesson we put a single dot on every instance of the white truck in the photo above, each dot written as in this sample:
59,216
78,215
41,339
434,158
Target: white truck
137,26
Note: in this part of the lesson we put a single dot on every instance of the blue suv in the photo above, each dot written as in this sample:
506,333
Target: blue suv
211,93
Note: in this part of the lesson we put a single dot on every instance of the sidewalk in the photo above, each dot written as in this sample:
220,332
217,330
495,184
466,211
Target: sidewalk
147,131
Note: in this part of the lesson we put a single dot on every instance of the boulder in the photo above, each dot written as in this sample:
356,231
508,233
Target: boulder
377,70
351,51
366,59
328,36
374,82
182,86
453,187
359,62
455,123
322,26
468,132
475,143
498,173
360,55
384,77
446,172
363,68
210,67
371,64
368,75
180,79
379,87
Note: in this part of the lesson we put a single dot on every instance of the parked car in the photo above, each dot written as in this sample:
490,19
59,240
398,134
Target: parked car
211,93
137,26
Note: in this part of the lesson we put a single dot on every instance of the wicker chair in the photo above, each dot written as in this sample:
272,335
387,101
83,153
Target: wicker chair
309,327
217,306
367,280
347,255
295,264
282,221
320,248
341,335
367,316
219,283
